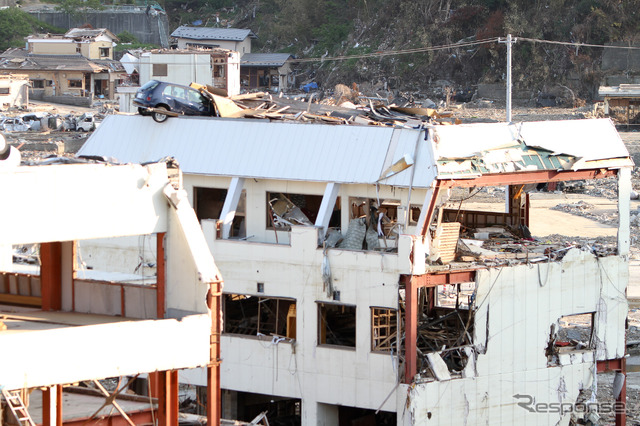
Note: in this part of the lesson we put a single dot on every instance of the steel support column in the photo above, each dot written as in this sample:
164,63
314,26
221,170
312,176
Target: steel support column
214,399
52,406
164,386
51,275
411,330
160,277
617,365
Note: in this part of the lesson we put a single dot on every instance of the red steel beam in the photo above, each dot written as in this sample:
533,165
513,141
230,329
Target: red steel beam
432,208
164,386
141,417
436,279
51,275
522,178
214,397
411,330
160,276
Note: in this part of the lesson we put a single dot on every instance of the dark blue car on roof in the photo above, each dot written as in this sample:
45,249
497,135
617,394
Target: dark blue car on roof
157,96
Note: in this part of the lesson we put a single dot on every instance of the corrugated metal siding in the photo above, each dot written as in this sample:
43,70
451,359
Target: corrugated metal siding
261,149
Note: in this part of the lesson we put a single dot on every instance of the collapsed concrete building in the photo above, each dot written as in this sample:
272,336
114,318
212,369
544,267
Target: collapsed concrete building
62,323
349,294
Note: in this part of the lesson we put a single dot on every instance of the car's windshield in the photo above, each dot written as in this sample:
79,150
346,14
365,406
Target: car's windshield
151,84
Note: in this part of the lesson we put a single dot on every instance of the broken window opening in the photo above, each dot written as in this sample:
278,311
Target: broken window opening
336,325
443,333
208,203
74,84
373,226
384,329
568,337
285,210
254,316
246,407
456,296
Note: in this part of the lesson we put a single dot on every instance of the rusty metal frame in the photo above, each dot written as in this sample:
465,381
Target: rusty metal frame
411,284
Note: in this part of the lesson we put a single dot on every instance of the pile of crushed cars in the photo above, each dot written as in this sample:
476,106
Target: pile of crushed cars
43,121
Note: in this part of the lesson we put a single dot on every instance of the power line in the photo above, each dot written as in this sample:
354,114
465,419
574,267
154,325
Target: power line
398,52
575,44
454,46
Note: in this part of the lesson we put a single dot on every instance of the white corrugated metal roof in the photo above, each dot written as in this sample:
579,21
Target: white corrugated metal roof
595,139
206,33
268,150
343,153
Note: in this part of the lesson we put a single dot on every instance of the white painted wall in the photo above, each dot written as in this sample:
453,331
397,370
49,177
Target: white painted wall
104,201
182,68
73,354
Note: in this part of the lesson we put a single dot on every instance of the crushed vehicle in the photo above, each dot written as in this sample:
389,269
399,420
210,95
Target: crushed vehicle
83,123
13,124
162,100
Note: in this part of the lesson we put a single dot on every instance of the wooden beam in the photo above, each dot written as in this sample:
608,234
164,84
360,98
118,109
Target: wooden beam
16,299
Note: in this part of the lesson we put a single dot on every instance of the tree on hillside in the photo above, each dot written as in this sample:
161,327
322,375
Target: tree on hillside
79,8
15,25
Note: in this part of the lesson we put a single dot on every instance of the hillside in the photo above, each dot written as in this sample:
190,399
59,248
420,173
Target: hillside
313,28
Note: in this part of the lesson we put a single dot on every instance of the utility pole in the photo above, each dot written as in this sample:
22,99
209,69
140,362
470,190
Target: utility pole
509,41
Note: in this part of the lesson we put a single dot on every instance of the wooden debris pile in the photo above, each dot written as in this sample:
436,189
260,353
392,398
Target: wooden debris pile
447,332
262,105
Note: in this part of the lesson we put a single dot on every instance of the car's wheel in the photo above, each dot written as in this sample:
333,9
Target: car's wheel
158,116
143,111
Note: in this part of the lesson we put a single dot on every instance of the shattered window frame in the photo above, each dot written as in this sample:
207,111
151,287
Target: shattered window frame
5,91
384,329
258,315
38,83
390,207
330,331
285,209
104,52
74,83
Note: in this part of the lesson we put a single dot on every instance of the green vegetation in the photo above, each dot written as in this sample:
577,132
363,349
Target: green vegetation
15,25
129,42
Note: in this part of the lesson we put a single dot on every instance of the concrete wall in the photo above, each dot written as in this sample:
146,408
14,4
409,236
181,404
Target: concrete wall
498,91
620,59
152,27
